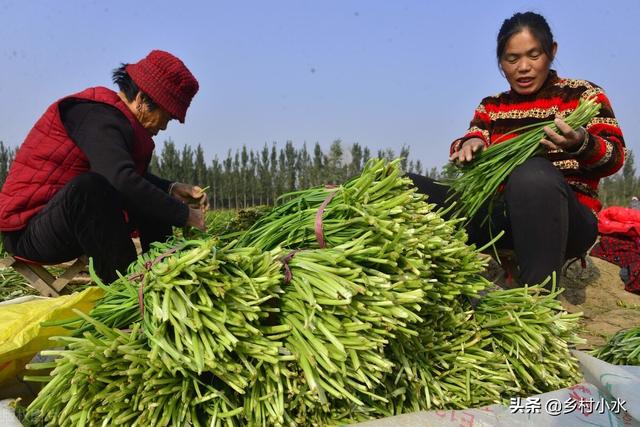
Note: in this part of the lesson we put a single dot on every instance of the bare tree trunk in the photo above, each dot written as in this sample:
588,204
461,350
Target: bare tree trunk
235,196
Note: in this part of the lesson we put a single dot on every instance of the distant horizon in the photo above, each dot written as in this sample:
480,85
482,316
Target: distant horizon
381,74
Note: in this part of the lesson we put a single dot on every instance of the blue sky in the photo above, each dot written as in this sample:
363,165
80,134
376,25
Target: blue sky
381,73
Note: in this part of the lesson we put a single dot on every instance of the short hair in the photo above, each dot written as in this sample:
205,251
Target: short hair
129,87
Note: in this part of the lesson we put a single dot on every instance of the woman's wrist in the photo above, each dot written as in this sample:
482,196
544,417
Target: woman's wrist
171,187
582,145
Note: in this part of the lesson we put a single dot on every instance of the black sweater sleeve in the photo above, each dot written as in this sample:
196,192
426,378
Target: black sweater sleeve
161,183
105,136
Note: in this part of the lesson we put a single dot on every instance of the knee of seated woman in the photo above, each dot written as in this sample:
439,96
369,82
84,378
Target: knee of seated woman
534,176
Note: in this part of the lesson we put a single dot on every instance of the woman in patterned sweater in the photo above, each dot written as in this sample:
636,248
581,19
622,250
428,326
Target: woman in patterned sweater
549,202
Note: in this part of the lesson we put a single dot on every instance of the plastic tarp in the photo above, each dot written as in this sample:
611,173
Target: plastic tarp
7,417
22,336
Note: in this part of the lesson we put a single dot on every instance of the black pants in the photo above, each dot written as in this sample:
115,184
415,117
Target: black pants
86,218
543,221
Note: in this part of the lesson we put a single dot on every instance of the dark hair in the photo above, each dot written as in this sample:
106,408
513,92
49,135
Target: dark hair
129,87
535,23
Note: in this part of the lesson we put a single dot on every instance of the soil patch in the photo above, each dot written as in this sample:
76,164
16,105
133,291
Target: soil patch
598,292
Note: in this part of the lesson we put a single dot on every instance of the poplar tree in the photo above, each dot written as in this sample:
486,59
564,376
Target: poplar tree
200,168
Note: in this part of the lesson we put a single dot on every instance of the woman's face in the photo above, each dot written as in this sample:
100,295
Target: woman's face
524,63
153,121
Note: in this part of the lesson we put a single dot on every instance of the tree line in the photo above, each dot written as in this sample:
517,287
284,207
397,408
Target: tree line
244,177
618,189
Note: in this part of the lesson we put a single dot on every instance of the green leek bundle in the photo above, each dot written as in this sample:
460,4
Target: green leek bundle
623,348
480,180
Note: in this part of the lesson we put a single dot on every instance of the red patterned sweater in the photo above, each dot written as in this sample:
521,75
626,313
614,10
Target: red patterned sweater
601,155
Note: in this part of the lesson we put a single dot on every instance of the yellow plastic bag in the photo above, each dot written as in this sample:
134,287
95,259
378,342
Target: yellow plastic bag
21,335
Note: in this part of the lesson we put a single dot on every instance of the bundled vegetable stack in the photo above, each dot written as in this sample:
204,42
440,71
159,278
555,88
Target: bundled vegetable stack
202,308
623,348
514,343
106,378
401,231
340,305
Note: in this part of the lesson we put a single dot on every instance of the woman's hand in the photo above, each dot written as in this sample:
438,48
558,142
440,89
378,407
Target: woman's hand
467,151
568,139
196,219
192,195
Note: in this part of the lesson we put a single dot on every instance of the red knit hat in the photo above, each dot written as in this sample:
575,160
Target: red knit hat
166,80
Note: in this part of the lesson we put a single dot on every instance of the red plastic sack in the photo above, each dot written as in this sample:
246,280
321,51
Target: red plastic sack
619,220
620,243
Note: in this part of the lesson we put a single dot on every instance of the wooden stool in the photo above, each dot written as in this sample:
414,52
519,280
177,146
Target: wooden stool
38,276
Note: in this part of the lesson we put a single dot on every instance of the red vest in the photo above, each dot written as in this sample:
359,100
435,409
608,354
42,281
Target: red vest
48,159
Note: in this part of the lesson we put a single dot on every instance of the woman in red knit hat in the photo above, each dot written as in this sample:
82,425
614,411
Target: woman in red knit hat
548,203
84,163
